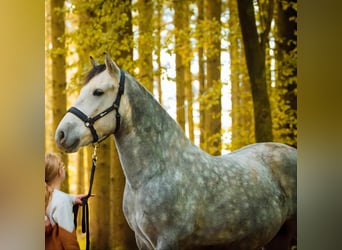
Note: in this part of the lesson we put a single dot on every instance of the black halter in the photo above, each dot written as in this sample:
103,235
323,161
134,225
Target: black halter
89,121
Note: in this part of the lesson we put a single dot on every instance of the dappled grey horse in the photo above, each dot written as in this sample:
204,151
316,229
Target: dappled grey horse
176,195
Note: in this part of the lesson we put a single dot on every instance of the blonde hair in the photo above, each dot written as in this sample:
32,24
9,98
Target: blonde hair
53,162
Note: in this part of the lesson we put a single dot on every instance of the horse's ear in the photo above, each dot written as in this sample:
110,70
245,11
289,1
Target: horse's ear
93,62
112,68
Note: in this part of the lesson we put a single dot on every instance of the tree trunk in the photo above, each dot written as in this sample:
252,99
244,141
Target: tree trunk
145,43
158,21
187,74
99,208
58,73
122,47
183,73
213,118
180,21
255,58
241,96
201,68
287,71
189,100
82,186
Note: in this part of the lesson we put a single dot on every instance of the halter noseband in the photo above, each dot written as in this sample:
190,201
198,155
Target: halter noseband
89,121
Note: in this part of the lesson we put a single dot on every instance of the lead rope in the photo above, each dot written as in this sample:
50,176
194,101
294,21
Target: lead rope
85,208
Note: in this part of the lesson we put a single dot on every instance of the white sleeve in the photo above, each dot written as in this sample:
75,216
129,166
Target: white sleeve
63,215
73,198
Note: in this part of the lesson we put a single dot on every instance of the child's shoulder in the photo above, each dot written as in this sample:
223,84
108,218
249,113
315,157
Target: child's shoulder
60,195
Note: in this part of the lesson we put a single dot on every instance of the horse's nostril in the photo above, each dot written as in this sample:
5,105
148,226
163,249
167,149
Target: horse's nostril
61,136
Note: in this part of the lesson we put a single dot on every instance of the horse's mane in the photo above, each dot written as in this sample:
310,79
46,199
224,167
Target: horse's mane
94,71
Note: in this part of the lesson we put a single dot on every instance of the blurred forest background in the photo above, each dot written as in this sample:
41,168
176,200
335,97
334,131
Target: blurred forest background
225,70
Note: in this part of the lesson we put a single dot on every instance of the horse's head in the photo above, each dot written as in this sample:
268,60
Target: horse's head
96,112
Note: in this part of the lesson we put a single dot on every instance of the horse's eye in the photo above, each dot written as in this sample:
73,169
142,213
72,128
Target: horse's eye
98,92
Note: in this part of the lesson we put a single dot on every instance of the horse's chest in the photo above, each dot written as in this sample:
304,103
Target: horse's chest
157,207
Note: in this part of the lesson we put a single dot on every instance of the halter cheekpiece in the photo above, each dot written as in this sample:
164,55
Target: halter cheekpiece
89,121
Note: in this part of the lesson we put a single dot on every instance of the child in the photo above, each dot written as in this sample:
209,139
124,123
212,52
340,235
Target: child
58,207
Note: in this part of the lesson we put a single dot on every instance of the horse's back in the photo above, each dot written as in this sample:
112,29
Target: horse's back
281,159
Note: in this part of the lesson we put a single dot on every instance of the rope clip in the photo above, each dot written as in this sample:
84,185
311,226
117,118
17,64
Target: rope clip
95,145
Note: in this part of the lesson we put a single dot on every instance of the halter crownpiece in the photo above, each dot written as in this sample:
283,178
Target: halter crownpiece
89,121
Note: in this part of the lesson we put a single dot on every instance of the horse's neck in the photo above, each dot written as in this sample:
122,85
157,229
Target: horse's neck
151,139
